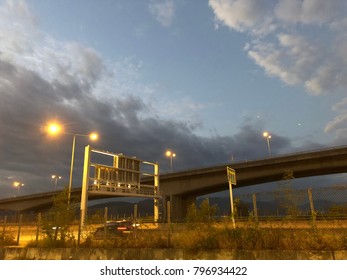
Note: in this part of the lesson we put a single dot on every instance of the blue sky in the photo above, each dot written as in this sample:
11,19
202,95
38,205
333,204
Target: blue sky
204,78
190,57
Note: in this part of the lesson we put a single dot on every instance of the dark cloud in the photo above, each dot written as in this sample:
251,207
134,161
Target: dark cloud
28,102
71,83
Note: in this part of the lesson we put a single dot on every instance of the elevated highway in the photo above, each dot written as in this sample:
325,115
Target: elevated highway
181,188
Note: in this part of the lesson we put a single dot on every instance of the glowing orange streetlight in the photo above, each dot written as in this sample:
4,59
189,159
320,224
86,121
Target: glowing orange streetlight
268,137
56,178
54,128
171,155
18,185
93,136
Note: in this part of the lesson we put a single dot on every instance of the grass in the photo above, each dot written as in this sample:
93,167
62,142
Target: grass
195,236
217,236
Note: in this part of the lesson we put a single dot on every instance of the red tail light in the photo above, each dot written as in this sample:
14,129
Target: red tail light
122,228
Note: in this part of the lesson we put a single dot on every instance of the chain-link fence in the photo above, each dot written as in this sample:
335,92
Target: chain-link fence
322,207
285,208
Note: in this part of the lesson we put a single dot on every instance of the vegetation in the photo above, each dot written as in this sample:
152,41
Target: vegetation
202,229
56,222
222,236
6,240
289,198
202,214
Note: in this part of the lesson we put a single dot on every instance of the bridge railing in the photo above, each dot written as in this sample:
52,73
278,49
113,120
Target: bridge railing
240,161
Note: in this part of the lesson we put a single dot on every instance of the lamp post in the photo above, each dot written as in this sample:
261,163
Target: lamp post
171,155
56,178
55,128
92,136
267,137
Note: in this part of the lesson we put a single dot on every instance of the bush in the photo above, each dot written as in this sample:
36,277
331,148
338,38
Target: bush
55,223
7,240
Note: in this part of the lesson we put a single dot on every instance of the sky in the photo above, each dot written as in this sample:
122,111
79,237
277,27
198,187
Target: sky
202,78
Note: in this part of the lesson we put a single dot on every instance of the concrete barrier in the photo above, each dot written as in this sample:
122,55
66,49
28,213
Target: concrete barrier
8,253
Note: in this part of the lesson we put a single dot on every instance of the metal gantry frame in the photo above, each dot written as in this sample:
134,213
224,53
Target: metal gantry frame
123,178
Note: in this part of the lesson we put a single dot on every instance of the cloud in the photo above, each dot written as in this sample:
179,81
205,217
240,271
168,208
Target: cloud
287,50
44,79
290,58
308,11
163,11
241,15
301,42
338,125
29,101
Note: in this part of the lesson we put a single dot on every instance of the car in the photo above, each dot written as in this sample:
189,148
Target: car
115,228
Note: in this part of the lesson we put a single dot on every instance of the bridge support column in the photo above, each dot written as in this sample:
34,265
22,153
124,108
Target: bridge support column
179,206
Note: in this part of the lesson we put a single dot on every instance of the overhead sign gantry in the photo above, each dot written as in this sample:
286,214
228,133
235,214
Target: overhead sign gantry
121,178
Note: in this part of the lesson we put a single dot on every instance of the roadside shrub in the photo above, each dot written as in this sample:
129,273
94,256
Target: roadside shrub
7,240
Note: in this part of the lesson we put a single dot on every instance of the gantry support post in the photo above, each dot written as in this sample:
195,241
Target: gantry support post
85,184
156,192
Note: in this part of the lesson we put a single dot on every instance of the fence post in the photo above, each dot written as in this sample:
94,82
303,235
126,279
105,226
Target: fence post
168,211
19,227
313,212
105,222
4,226
79,228
135,213
255,209
38,226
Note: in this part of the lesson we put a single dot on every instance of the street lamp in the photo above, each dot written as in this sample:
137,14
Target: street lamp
171,155
18,185
56,178
267,137
54,129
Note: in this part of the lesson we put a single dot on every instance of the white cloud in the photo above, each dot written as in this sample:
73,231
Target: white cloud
241,15
65,62
338,125
163,11
181,109
283,41
70,63
290,58
15,21
308,11
300,42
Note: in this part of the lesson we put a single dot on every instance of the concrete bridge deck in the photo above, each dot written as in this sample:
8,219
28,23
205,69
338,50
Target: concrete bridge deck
183,187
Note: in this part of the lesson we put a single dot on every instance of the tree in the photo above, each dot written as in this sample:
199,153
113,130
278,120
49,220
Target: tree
289,198
203,213
240,208
56,222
